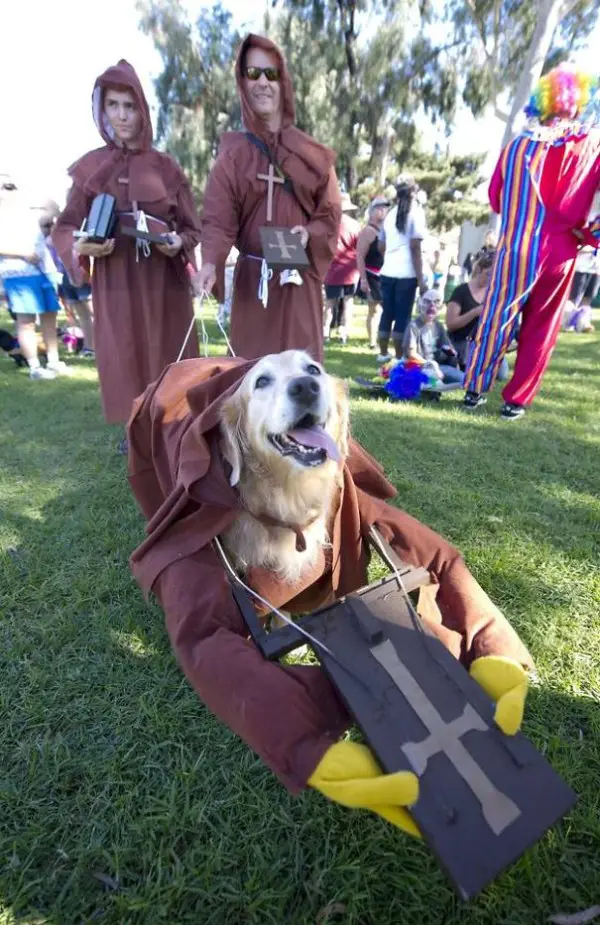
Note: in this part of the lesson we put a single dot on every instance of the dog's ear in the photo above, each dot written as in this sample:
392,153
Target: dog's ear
232,414
342,414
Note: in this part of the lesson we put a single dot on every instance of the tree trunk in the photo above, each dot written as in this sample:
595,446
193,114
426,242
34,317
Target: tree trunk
351,177
385,155
549,16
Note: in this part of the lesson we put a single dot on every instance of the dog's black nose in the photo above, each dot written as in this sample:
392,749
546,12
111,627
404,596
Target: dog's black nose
304,390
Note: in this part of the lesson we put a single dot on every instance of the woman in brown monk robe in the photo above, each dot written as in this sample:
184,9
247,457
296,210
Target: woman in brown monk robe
142,295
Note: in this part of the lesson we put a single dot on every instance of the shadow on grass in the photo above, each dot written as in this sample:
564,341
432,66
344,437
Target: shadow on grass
127,802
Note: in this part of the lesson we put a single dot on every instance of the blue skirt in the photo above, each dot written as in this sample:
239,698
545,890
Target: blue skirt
30,295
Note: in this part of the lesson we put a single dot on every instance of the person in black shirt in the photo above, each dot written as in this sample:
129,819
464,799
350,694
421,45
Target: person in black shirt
369,259
465,306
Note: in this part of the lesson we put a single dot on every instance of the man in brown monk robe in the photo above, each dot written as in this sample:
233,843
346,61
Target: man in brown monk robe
142,294
244,191
289,714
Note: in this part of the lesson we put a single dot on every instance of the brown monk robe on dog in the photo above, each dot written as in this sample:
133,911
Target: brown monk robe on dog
258,453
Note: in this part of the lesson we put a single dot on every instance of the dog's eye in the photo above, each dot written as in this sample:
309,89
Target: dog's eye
262,381
313,370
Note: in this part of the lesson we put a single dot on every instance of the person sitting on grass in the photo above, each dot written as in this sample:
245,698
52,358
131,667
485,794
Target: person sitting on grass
427,343
464,308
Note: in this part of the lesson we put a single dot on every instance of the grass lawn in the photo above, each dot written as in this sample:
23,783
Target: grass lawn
122,801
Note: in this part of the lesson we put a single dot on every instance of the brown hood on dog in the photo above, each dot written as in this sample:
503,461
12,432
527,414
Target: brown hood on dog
177,472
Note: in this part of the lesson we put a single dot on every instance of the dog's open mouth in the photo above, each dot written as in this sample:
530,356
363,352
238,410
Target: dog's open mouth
308,443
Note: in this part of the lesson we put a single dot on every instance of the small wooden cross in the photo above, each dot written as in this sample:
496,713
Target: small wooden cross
286,250
270,179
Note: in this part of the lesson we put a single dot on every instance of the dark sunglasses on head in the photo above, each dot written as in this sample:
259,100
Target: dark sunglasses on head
271,73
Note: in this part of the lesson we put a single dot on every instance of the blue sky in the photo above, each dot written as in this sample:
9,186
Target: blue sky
51,55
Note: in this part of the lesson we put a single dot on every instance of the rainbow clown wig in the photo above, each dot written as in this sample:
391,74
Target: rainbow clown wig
562,93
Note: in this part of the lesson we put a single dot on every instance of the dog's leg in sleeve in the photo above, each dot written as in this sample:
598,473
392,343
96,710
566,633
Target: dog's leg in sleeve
464,606
289,715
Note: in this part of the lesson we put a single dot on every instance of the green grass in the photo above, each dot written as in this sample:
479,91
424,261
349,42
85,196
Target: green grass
123,801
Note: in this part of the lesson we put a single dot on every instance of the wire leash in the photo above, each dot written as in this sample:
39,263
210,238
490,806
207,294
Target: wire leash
283,616
187,337
316,643
224,333
204,333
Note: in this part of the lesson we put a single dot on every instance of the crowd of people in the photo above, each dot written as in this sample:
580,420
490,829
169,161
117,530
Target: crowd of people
128,297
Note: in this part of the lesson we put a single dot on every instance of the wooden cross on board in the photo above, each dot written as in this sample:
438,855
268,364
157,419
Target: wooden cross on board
287,250
484,798
270,180
281,249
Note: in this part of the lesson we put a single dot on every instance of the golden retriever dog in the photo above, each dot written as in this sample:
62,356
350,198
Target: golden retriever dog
285,436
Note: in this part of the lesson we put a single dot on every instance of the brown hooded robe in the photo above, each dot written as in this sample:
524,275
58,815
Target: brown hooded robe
235,207
289,715
142,308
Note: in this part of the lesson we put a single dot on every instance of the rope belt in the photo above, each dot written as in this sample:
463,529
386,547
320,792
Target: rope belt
266,275
140,221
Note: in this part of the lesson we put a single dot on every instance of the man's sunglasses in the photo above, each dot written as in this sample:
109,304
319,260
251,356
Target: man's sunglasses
271,73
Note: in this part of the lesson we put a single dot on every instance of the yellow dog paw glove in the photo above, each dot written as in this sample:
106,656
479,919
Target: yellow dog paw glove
348,774
506,682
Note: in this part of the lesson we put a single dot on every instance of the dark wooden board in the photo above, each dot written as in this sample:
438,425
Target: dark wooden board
525,796
281,249
448,814
131,232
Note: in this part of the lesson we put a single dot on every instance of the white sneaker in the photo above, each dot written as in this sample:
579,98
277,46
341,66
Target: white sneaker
383,358
39,372
59,368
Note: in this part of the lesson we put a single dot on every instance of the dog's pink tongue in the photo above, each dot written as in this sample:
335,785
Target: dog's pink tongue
318,438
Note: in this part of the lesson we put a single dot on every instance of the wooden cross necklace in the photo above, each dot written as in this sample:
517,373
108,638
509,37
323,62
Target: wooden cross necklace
271,179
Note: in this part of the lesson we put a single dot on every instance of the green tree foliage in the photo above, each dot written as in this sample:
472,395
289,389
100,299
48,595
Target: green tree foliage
349,93
360,76
450,183
488,41
196,89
